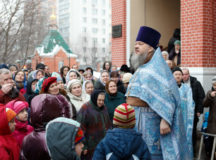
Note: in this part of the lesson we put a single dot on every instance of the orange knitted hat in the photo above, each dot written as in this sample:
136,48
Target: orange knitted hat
10,114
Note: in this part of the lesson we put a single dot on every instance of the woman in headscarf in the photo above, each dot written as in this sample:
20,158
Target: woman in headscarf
104,78
76,95
94,120
21,82
73,74
88,87
113,98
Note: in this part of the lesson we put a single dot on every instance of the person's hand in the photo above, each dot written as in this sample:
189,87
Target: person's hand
198,114
164,127
213,93
6,88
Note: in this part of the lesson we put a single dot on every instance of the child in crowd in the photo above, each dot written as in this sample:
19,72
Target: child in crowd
9,148
59,134
122,142
22,128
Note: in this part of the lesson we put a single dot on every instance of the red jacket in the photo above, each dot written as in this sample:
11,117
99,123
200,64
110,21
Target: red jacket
22,129
9,148
5,98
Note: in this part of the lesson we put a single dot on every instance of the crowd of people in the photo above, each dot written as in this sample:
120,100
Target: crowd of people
148,111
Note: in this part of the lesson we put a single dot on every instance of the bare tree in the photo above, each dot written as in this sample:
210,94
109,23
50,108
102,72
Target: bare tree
21,29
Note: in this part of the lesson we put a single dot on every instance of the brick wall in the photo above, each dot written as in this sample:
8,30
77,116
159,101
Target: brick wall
119,44
198,33
53,62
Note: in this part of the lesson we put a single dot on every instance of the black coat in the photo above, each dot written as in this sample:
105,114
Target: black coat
198,94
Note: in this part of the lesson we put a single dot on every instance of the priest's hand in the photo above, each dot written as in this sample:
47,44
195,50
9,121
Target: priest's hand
164,127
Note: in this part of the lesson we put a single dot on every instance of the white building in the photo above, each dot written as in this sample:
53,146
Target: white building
86,26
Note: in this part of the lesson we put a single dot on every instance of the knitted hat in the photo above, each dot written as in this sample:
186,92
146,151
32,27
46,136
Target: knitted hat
10,114
73,82
177,69
124,116
214,80
17,106
126,77
149,35
47,82
79,136
39,85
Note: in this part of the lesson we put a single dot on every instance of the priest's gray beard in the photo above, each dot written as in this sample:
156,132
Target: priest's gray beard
138,60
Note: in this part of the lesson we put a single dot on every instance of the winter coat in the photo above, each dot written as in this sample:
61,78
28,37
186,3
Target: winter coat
99,85
122,144
22,129
44,108
94,122
60,138
198,94
9,148
29,95
211,103
120,87
111,102
173,54
5,98
78,101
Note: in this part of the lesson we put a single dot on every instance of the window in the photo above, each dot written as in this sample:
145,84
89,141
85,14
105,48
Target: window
94,30
94,41
84,39
103,12
103,50
84,10
84,49
94,11
94,21
84,29
84,19
103,22
103,31
103,40
94,1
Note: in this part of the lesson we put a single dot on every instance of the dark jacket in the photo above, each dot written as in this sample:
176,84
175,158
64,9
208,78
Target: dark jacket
122,144
29,95
94,122
120,87
172,55
99,86
111,102
44,108
198,94
211,103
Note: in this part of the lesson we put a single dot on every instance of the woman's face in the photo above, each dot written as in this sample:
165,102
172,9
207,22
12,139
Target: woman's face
65,71
88,76
13,70
89,88
53,89
39,75
112,87
76,90
73,75
116,79
100,100
19,77
107,66
60,85
105,77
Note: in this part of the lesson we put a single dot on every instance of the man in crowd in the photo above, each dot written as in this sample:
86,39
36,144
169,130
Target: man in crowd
154,94
8,91
198,96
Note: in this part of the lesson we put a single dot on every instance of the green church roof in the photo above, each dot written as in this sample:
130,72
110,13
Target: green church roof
51,40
